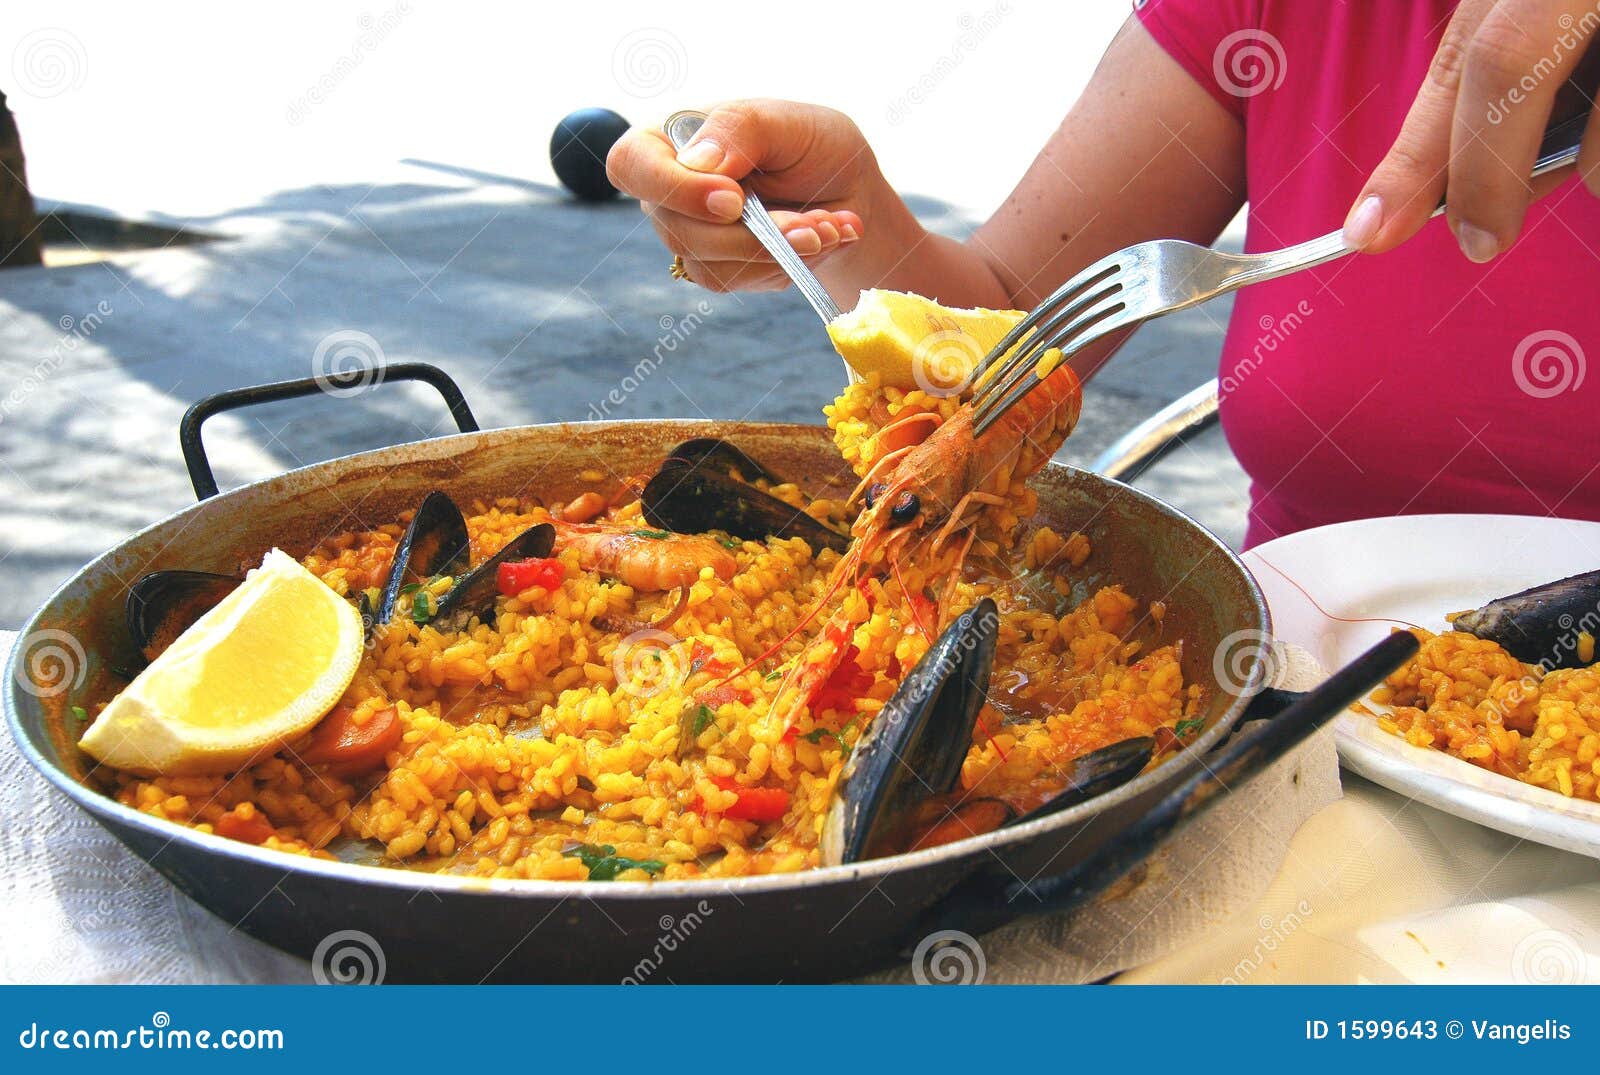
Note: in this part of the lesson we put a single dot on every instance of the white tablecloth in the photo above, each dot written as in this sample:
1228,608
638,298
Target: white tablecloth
1369,888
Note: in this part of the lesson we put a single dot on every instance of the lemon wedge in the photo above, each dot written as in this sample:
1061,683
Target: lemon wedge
913,342
260,668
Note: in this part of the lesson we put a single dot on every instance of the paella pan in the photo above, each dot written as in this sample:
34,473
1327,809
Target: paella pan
830,834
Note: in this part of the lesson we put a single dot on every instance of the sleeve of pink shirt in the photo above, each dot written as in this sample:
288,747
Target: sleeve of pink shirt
1204,37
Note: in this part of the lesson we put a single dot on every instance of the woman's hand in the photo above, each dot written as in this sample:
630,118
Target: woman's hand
810,165
1476,125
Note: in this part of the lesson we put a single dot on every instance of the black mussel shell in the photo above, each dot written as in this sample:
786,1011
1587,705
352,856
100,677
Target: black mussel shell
914,747
1541,625
163,604
689,500
476,590
1097,773
714,453
434,544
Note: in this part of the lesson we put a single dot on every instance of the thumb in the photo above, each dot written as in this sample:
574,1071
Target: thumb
739,137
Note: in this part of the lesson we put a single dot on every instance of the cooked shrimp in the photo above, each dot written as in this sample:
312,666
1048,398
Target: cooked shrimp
648,560
918,495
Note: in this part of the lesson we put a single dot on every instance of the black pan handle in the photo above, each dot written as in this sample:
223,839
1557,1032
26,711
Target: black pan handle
194,451
987,901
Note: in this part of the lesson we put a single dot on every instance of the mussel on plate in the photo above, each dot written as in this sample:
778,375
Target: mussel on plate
1545,625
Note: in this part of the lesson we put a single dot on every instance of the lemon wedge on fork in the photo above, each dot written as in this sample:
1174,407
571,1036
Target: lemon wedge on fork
259,669
913,342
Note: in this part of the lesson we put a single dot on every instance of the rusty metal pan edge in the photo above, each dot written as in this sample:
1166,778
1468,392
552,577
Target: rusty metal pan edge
441,447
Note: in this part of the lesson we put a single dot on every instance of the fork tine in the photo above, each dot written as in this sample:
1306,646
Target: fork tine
1098,332
1066,291
1027,352
1004,392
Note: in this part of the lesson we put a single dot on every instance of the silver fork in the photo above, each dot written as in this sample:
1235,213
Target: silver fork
1155,278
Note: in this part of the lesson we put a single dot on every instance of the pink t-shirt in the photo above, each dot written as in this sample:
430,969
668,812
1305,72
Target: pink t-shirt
1410,382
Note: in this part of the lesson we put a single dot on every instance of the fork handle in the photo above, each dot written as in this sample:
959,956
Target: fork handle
1559,149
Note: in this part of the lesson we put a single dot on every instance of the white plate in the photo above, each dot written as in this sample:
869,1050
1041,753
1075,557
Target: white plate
1418,568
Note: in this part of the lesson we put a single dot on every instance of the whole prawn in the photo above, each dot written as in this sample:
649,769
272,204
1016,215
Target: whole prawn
918,495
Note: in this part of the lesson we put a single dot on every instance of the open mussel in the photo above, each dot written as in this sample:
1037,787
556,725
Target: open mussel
475,591
897,792
1544,625
716,454
163,604
704,484
914,747
434,544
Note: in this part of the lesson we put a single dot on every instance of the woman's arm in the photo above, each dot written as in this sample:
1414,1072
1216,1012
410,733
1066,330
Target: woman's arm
1144,154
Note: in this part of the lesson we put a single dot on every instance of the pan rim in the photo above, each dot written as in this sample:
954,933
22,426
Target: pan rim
104,808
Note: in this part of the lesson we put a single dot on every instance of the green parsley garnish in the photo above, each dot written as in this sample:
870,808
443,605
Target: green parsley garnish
653,535
1184,727
604,863
729,543
410,588
703,718
81,713
774,674
421,607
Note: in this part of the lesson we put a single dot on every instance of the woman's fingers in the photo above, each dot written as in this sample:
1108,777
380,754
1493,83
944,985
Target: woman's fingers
1516,62
1402,193
644,164
1475,127
722,276
811,233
